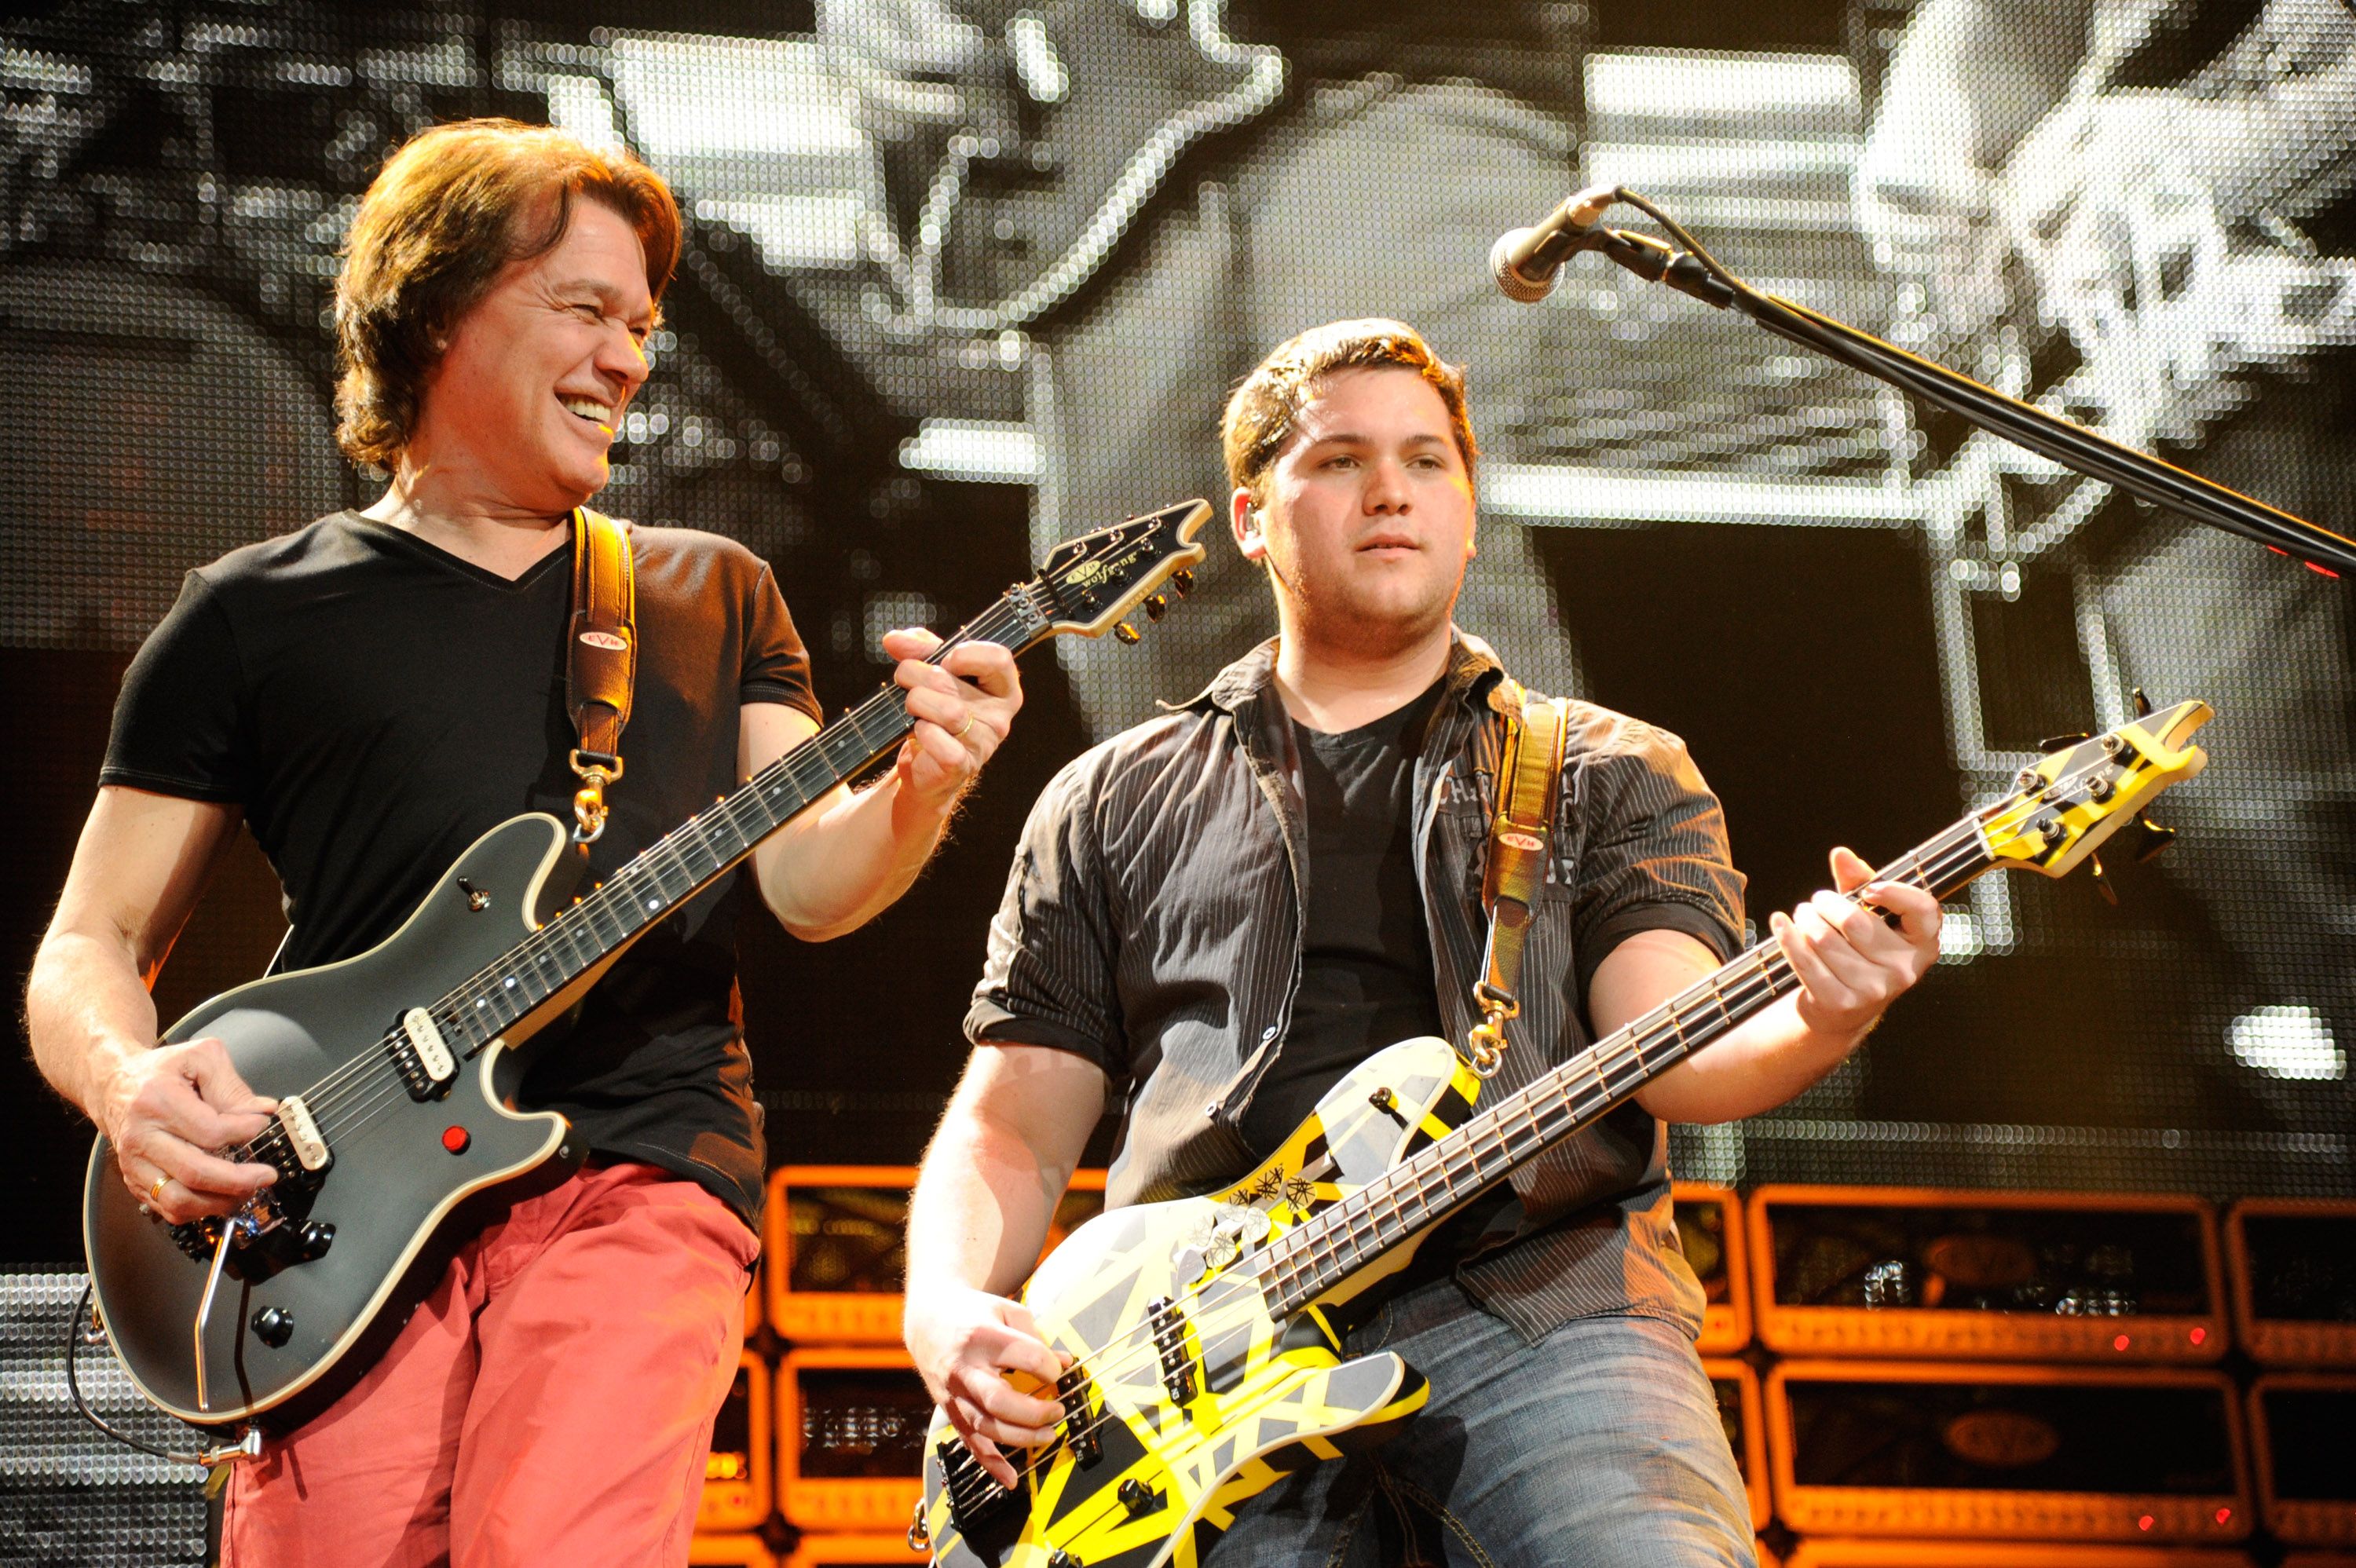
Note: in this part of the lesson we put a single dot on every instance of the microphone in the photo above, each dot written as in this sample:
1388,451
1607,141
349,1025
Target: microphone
1524,260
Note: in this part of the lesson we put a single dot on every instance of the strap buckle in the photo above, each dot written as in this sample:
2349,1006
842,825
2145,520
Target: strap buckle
1486,1043
595,770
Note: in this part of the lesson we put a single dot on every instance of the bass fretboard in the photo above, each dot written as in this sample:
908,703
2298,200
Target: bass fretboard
1311,1259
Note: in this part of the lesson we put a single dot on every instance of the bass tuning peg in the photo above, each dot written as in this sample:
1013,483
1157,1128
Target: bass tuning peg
2102,881
1124,631
2142,704
1182,581
1156,606
2150,837
2056,743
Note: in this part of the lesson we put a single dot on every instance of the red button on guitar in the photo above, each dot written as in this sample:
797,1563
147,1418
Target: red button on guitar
456,1139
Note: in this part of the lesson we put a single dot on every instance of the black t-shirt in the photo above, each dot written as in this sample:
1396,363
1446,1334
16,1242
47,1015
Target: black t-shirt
1366,977
375,704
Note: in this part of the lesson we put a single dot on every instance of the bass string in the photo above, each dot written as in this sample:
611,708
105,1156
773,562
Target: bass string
1769,967
1930,863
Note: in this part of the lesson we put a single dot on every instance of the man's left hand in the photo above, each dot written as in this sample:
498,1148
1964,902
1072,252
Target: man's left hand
963,708
1852,964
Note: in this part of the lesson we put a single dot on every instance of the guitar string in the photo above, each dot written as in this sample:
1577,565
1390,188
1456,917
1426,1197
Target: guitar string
336,1091
527,955
1928,865
1604,1059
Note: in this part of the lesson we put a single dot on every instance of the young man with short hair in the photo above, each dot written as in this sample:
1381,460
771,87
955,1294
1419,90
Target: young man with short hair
1214,915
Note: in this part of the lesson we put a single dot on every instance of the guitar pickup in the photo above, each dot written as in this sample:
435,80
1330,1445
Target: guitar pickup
422,1057
303,1135
1083,1416
1170,1342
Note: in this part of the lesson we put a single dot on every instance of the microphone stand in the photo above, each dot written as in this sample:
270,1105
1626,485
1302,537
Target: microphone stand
1693,270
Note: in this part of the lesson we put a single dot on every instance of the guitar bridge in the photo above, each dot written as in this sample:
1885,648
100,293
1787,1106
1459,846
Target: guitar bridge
975,1498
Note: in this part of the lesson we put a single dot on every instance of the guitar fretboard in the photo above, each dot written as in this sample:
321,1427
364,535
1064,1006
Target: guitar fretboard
701,849
1424,1189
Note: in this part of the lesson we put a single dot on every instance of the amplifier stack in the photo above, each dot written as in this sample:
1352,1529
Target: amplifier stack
1910,1377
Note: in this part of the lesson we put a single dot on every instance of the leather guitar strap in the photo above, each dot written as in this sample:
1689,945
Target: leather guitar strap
1521,842
601,664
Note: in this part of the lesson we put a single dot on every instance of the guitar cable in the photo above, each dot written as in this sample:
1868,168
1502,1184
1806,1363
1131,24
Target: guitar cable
248,1446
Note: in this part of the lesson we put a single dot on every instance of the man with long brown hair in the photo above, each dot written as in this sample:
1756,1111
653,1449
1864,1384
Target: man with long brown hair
372,692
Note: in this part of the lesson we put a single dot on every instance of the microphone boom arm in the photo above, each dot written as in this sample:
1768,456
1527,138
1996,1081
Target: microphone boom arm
1692,270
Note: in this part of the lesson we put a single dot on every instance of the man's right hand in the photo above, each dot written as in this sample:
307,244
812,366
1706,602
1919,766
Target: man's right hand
166,1110
964,1342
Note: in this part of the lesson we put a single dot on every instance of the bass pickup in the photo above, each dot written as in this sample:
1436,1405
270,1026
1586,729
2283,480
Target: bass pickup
422,1057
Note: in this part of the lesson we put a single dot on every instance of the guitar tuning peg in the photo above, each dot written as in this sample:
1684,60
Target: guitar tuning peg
1183,581
1156,606
2142,704
1124,631
2150,837
2102,881
2056,743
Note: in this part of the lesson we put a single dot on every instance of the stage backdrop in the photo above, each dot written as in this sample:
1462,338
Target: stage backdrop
961,279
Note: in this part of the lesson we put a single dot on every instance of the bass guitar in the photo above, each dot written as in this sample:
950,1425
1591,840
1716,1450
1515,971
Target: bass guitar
1204,1335
395,1072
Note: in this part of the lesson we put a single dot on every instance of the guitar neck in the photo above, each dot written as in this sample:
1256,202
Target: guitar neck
707,846
1441,1177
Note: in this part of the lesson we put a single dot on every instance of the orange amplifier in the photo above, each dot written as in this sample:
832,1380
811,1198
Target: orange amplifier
1854,1271
2294,1268
1737,1387
854,1552
2303,1442
1710,1229
736,1471
730,1551
1999,1555
1946,1450
834,1241
851,1431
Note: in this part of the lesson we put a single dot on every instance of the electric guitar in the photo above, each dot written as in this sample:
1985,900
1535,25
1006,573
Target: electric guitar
396,1072
1205,1333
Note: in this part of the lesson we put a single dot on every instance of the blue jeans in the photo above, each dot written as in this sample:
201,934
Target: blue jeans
1600,1446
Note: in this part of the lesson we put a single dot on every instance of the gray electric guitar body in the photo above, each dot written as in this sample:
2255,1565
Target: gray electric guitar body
330,1248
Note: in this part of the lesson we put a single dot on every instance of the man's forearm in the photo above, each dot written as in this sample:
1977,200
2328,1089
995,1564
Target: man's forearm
856,854
87,1011
983,1201
1768,1059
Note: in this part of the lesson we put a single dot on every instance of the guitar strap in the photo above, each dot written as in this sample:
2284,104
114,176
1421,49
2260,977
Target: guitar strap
601,663
1521,841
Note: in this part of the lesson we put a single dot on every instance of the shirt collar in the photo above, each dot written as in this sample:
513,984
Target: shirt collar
1473,675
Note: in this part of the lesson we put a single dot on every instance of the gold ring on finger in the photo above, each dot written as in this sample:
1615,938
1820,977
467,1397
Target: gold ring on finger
155,1188
968,724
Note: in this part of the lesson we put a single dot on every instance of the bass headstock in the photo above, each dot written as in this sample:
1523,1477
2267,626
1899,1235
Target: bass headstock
1088,583
2068,802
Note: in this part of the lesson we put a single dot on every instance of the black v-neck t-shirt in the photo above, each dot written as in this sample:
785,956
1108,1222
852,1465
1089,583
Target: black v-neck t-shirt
1366,974
375,704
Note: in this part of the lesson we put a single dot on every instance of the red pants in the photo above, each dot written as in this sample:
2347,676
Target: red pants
550,1401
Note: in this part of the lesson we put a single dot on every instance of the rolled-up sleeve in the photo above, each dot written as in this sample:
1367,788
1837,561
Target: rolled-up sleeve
1654,856
1051,975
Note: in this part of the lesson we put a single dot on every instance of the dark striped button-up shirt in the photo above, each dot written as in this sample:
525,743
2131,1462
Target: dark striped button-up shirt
1152,923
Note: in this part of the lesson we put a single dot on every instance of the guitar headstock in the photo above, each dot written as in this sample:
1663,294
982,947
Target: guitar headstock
2072,799
1091,582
